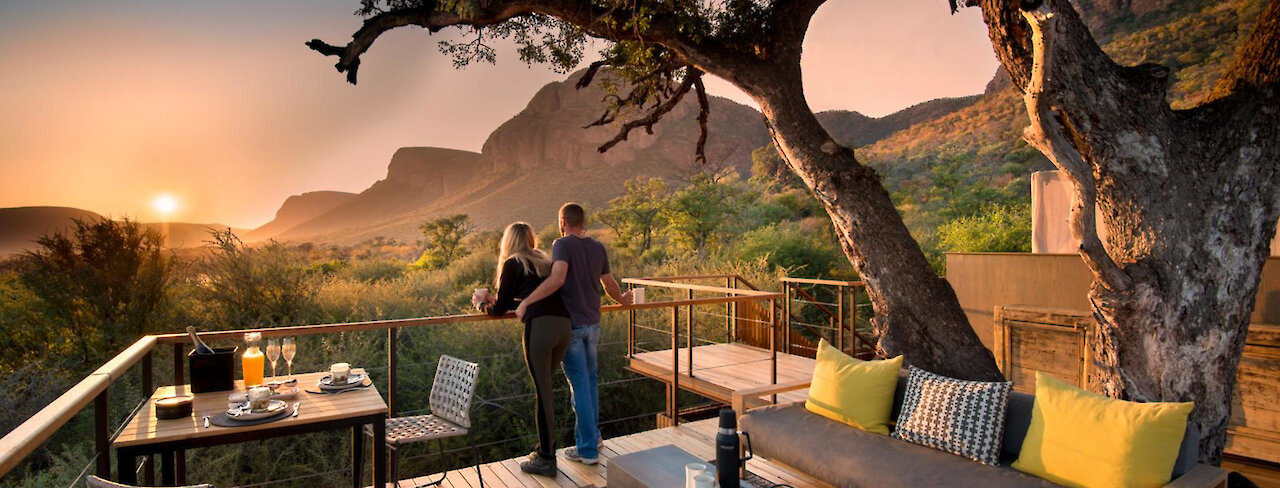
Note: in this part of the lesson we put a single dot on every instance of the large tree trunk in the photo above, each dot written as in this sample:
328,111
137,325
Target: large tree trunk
1189,199
917,312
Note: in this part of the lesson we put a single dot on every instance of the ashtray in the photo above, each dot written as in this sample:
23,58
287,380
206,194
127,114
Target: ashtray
174,407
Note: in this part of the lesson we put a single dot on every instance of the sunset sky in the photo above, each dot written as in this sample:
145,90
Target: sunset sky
108,105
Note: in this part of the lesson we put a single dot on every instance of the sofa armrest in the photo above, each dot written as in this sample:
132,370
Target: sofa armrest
740,397
1201,476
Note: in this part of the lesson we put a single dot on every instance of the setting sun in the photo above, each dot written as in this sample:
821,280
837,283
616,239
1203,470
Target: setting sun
165,204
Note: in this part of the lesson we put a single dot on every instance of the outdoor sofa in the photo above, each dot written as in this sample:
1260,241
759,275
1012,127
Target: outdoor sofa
844,456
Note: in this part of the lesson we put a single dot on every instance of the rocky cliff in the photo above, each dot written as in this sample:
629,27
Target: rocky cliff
416,177
298,209
549,135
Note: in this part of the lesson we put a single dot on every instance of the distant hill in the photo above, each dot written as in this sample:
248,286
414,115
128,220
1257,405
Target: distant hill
21,226
416,177
185,235
855,129
298,209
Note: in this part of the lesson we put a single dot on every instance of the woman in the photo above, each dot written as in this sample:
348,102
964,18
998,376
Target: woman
521,268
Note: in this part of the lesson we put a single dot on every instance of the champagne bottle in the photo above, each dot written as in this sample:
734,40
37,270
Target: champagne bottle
200,346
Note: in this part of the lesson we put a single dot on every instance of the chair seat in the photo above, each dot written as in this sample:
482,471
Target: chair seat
418,428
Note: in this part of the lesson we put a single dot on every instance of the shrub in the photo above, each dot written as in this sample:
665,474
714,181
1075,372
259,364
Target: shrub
373,270
997,228
790,248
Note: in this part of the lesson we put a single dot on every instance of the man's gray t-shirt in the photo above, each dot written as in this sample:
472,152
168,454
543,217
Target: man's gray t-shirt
588,261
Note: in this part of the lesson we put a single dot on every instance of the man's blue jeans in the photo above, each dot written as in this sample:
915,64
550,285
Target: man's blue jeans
581,368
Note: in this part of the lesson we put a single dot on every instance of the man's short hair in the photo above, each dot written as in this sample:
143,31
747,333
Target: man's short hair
573,215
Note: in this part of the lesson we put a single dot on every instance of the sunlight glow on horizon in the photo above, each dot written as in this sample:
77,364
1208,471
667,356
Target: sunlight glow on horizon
165,204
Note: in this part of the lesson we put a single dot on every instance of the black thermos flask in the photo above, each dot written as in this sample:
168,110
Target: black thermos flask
728,450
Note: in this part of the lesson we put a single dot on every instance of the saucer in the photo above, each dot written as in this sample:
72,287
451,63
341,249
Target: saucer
353,380
242,411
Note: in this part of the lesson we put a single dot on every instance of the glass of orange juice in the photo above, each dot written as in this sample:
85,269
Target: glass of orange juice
252,362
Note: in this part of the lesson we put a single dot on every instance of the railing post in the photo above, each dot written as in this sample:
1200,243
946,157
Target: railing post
148,388
178,364
392,360
147,382
688,331
728,311
733,306
631,329
101,442
773,344
786,316
673,404
840,317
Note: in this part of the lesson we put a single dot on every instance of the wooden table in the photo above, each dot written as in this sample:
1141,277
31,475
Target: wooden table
146,435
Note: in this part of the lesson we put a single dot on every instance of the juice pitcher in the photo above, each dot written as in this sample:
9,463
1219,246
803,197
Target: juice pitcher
252,363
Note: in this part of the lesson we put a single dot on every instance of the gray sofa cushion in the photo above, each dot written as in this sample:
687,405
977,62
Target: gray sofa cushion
848,457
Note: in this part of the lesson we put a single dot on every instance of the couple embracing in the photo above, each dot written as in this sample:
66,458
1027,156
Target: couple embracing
558,300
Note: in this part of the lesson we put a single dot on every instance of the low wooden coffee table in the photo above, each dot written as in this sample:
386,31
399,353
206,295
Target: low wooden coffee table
660,467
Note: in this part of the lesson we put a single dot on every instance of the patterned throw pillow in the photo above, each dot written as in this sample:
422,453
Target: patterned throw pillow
960,417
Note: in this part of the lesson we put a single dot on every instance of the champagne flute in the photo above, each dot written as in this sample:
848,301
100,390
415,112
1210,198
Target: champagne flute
289,349
273,353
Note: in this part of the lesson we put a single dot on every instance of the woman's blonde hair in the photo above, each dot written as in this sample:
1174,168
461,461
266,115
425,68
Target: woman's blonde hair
519,241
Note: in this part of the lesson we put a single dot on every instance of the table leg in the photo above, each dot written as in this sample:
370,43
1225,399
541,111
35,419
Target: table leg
149,472
357,456
380,453
180,460
125,465
167,477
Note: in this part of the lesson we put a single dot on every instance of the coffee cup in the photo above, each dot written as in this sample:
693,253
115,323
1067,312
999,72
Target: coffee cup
637,295
338,373
259,398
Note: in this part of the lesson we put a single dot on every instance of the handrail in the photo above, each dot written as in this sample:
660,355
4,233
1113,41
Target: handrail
23,440
707,288
15,446
812,281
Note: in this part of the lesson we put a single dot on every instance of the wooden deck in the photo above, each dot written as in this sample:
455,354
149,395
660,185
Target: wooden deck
720,369
696,437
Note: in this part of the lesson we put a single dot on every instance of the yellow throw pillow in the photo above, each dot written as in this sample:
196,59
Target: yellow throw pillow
1079,438
853,391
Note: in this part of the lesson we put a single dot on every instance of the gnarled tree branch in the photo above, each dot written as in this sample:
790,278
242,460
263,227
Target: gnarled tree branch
691,75
1046,134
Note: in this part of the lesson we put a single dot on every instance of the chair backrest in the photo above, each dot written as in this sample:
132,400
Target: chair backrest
96,482
453,389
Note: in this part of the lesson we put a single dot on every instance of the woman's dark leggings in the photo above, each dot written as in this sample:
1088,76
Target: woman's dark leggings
546,339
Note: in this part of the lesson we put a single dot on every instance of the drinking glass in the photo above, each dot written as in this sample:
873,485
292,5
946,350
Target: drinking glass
273,354
289,349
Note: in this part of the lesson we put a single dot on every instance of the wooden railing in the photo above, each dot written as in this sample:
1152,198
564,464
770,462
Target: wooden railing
733,296
841,316
94,388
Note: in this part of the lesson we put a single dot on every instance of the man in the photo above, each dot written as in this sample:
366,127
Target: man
578,263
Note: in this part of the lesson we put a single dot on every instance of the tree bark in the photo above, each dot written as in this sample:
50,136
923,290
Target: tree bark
917,312
1189,199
